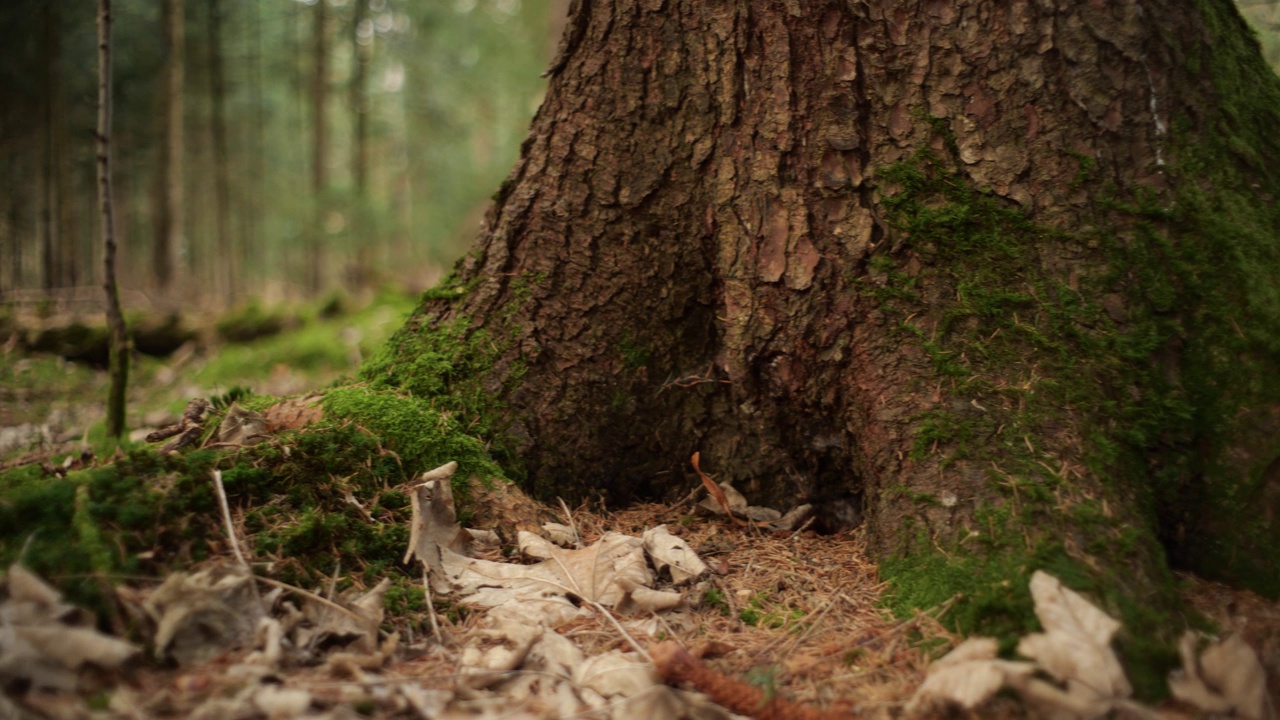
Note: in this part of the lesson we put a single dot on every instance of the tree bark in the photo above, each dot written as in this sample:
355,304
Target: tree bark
169,243
945,270
119,342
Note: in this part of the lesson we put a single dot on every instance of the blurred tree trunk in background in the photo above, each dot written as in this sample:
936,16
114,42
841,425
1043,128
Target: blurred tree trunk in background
226,253
940,269
359,101
118,364
169,241
59,258
316,254
361,47
10,242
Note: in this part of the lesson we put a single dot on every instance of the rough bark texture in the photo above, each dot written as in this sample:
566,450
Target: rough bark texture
921,263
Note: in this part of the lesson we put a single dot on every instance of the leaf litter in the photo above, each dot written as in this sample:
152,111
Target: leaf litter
642,613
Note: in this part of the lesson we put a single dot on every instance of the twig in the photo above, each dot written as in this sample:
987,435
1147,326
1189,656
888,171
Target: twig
431,609
803,526
226,518
568,516
311,596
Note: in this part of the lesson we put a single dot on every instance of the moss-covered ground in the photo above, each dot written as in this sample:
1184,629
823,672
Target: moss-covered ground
291,350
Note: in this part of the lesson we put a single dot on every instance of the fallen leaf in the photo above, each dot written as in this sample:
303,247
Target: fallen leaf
200,615
1076,645
1227,677
673,555
561,535
242,427
355,630
967,676
46,643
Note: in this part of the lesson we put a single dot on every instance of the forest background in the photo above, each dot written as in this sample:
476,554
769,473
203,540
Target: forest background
271,149
272,162
276,150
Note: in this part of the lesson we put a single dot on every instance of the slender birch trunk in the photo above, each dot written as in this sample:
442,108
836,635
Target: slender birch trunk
119,362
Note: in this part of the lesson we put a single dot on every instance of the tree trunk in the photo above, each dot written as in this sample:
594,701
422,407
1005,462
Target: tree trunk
50,272
990,280
359,102
362,39
226,255
169,242
119,342
319,146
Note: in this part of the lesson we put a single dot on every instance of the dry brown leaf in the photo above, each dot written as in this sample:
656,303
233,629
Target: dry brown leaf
294,413
279,702
1075,650
537,593
45,643
242,427
434,525
718,494
200,615
355,630
560,534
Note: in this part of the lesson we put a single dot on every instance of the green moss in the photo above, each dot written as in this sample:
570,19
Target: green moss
988,593
714,598
421,433
635,354
88,535
149,514
316,351
1224,250
1017,348
452,372
764,613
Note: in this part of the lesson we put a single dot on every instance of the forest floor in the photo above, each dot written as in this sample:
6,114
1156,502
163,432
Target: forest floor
776,616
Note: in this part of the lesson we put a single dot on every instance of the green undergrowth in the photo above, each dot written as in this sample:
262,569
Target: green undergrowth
326,500
1156,356
316,345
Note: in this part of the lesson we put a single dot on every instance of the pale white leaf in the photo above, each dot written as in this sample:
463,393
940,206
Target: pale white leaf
674,555
1227,677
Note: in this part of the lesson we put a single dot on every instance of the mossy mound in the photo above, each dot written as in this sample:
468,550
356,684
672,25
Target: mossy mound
252,322
325,499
